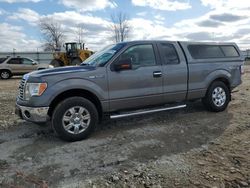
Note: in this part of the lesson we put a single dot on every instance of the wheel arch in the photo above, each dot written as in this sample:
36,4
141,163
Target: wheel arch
219,75
223,79
76,93
4,69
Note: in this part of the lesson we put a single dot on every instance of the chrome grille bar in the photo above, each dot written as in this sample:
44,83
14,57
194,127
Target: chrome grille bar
22,89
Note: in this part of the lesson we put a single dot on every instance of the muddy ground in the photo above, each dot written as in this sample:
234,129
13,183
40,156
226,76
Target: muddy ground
182,148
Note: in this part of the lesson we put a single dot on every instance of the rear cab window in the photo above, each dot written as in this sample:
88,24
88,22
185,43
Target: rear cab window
169,54
212,51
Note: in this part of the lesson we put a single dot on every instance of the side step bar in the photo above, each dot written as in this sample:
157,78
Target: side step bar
145,112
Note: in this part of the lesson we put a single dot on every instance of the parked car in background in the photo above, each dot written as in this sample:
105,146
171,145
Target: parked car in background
11,66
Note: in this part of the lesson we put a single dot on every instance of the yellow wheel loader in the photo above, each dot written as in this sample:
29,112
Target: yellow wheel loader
75,54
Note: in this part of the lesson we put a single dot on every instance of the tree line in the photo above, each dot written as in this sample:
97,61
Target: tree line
54,35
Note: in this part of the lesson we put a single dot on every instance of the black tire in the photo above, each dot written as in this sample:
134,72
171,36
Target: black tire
76,61
5,74
218,103
56,63
61,111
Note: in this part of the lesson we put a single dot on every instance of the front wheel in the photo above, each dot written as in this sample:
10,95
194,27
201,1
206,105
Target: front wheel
74,118
217,97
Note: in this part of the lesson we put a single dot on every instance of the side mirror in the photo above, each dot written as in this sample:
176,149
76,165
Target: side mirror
124,64
34,63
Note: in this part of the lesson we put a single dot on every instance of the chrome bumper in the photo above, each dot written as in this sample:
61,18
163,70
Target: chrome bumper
36,115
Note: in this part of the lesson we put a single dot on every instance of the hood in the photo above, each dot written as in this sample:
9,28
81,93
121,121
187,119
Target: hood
61,70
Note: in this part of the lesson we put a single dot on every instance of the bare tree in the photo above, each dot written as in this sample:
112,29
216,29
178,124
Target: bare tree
79,33
52,33
120,27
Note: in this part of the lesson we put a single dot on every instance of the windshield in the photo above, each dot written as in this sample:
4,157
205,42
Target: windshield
103,56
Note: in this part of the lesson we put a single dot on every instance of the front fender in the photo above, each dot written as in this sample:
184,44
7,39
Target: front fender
69,84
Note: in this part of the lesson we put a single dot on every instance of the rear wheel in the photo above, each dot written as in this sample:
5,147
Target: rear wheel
56,63
217,97
74,118
5,74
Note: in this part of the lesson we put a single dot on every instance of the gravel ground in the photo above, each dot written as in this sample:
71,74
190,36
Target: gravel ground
181,148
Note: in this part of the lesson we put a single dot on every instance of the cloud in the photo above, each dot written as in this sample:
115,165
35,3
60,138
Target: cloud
227,17
14,37
170,5
209,23
159,17
226,4
26,14
20,1
200,36
226,20
141,13
96,29
87,5
2,12
144,29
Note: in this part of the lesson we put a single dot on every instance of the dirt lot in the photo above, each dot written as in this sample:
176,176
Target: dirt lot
182,148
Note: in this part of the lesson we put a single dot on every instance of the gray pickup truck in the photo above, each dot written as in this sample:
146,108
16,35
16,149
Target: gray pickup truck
130,78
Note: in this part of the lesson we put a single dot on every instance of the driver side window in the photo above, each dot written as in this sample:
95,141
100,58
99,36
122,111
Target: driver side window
140,55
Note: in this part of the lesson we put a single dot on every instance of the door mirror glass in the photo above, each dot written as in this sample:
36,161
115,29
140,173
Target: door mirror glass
123,64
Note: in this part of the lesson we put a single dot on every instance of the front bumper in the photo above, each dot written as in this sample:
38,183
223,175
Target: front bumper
32,114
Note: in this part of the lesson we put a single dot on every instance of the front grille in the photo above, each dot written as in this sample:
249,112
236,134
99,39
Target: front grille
22,89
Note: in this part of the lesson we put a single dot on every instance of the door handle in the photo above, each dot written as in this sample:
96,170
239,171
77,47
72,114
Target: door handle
157,74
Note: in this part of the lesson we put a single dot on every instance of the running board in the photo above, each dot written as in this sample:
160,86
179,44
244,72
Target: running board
145,112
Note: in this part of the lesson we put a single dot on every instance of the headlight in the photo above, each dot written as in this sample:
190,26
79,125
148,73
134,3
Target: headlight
51,66
34,89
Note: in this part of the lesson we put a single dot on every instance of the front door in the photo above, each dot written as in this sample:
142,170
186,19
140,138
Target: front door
142,85
29,65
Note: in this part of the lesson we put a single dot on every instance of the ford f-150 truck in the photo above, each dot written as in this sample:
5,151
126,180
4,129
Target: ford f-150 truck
130,78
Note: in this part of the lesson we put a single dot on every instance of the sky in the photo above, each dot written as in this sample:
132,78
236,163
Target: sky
188,20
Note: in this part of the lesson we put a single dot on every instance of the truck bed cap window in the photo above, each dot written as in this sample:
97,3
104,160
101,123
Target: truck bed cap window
229,51
212,51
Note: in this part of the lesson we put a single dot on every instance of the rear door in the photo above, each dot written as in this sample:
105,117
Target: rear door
175,72
139,87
